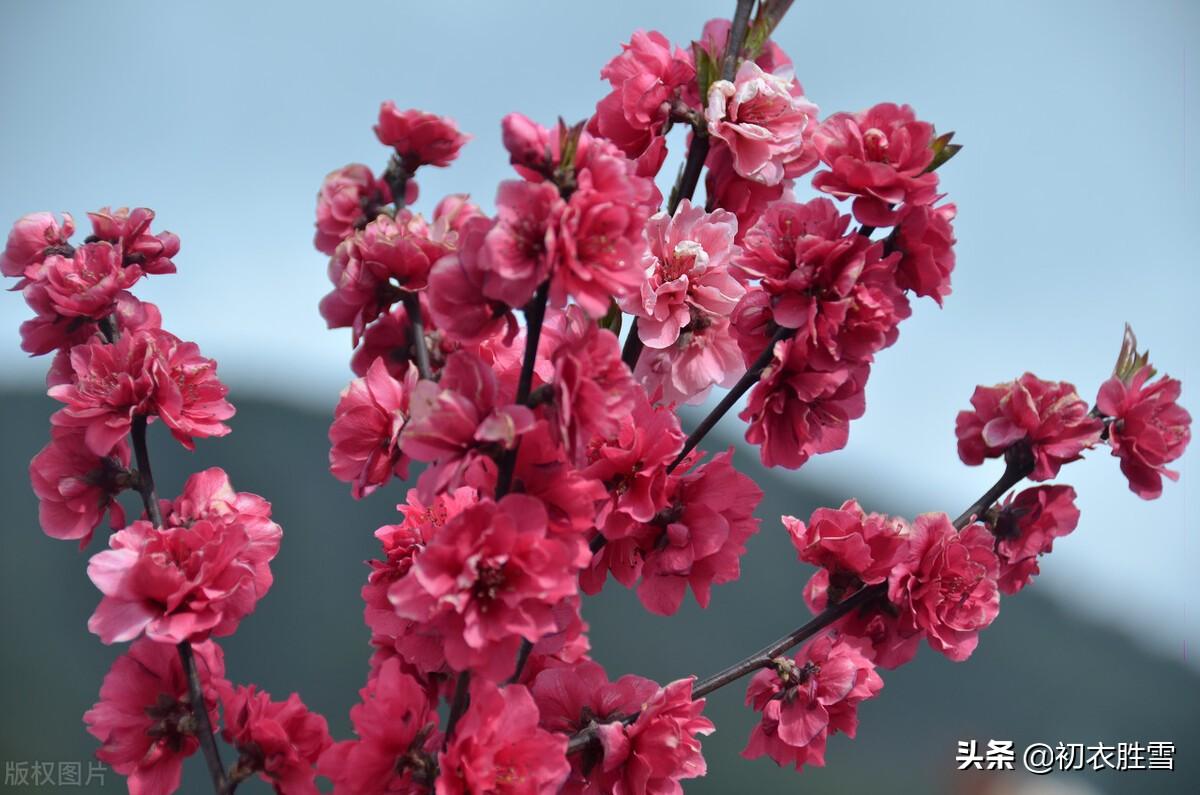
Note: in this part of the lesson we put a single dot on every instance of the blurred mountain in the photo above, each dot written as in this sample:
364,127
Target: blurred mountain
1040,674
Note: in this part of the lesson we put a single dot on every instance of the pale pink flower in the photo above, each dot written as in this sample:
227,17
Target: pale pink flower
1147,429
1025,527
688,262
149,372
143,719
455,422
350,197
419,138
765,120
946,586
705,355
279,740
365,434
188,580
30,238
806,699
490,576
75,487
397,740
1048,416
879,156
499,747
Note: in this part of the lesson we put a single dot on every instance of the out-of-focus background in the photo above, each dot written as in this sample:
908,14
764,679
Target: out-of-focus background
1077,203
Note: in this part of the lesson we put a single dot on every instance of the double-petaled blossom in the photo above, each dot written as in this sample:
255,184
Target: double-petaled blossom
144,719
129,231
884,637
76,488
84,284
765,121
946,586
520,249
458,423
419,138
31,238
197,576
880,156
799,409
695,541
925,240
1147,428
648,77
149,372
458,290
392,635
350,197
705,355
487,578
281,741
545,470
806,699
1025,527
372,269
365,434
397,739
598,237
498,747
49,331
856,547
632,465
1048,416
591,388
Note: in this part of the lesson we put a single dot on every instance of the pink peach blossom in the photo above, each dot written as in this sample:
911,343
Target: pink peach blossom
129,230
144,716
185,581
30,238
499,747
879,156
946,586
765,120
279,740
857,548
1147,429
806,699
705,355
1048,416
419,138
519,250
397,739
745,198
365,434
75,487
925,240
49,331
458,287
1025,527
85,285
490,576
350,197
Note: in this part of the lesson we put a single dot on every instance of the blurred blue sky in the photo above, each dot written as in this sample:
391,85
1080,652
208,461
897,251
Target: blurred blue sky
1076,194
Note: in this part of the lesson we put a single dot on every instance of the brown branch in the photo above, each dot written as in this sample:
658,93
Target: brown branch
204,733
412,308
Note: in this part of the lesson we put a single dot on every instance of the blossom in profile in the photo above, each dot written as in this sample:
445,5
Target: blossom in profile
1147,427
144,719
365,434
31,237
76,488
350,197
1049,416
281,741
1025,527
419,138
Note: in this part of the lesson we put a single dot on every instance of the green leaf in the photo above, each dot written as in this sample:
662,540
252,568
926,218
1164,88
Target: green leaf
612,319
707,69
943,150
1129,361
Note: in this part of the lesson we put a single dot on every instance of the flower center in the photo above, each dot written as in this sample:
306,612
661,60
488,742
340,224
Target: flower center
875,143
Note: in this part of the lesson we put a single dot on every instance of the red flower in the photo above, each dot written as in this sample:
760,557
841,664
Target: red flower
1049,416
879,156
856,548
143,719
498,747
925,240
279,740
365,433
808,698
397,739
946,587
419,138
490,576
1025,527
75,487
1148,428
